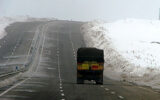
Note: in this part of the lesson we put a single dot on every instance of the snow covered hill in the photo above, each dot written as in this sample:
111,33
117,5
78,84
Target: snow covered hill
132,49
5,21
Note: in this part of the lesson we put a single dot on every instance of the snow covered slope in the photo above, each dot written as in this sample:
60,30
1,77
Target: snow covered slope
132,49
5,21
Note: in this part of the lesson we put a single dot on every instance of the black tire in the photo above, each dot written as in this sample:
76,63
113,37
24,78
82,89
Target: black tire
100,80
80,81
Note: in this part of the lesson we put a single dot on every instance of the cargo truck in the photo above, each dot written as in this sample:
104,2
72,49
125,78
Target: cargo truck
90,65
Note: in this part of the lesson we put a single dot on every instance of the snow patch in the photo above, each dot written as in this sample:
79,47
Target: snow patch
6,21
131,49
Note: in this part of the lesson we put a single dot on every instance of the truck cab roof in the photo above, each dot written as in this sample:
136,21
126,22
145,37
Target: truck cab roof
90,54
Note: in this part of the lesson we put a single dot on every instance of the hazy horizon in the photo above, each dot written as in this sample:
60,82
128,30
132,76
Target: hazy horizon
82,9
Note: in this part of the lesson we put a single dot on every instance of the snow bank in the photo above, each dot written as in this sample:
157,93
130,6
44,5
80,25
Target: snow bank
5,21
131,46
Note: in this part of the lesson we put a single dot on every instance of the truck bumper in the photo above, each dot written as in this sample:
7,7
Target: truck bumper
89,74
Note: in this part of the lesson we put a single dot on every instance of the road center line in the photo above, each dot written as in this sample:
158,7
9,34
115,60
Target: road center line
113,92
62,94
120,97
106,89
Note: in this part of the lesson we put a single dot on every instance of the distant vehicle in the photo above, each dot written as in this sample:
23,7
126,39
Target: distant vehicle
90,65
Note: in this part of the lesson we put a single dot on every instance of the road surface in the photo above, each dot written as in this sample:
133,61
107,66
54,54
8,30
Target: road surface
48,50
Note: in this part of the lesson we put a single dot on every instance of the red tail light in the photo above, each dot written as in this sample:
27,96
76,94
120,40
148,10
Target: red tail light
94,67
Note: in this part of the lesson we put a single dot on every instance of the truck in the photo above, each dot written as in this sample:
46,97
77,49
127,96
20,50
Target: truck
90,65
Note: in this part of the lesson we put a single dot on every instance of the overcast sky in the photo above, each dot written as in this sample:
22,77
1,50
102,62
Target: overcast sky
82,9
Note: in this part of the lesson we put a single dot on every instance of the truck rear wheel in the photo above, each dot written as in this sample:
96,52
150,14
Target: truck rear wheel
80,81
100,80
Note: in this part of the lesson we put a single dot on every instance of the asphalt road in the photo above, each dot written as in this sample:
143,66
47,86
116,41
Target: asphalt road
49,49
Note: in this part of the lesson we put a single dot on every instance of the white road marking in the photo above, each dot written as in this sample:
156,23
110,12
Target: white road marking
113,92
30,45
15,96
101,85
24,90
120,97
59,69
36,82
44,38
146,89
62,94
51,68
18,84
74,53
106,89
13,49
14,86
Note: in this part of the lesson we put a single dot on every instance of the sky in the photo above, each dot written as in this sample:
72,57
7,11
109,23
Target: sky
84,10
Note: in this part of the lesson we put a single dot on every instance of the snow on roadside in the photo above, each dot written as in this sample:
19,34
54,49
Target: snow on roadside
131,49
6,21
